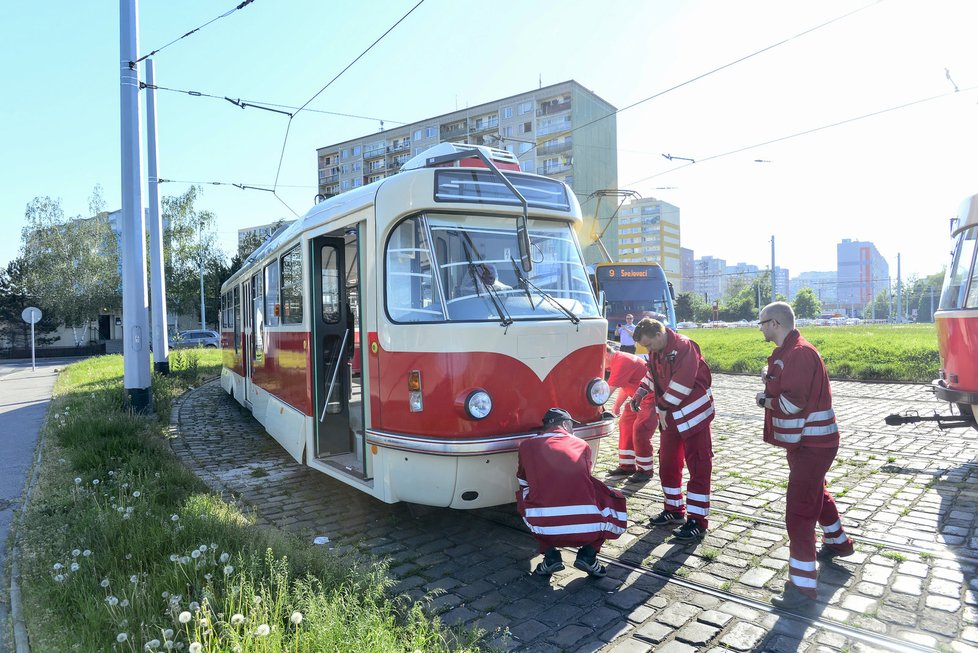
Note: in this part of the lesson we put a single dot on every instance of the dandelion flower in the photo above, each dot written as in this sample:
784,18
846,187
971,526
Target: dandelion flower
128,556
168,633
195,647
257,599
86,553
105,582
95,481
134,579
202,548
75,553
225,557
263,630
57,566
124,603
194,605
174,517
165,595
59,578
228,570
121,637
77,481
168,644
136,494
184,617
296,618
184,560
75,566
237,619
208,576
111,600
151,644
195,554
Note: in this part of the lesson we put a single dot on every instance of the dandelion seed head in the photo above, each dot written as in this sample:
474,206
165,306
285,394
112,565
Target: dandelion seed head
228,570
105,582
195,554
200,564
257,599
184,617
202,548
75,566
184,560
134,579
194,605
75,552
174,557
174,517
126,516
57,566
168,644
60,578
225,557
207,576
86,553
195,647
112,600
95,481
137,494
124,603
128,556
237,619
168,633
166,595
151,644
77,481
263,630
296,618
121,637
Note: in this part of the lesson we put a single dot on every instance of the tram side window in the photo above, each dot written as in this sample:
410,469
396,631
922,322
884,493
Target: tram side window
272,307
962,270
292,286
410,284
237,318
258,321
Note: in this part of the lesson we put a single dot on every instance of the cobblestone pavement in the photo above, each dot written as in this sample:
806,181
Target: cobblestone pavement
908,495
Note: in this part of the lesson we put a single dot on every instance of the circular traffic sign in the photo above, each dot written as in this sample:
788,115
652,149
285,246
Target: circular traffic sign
31,315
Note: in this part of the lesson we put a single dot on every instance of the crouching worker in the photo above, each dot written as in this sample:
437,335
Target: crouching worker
635,429
561,503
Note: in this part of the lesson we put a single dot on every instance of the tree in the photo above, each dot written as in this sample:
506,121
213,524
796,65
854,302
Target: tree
189,247
807,304
691,307
72,263
14,298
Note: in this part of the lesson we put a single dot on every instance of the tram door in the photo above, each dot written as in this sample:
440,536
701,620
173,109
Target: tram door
333,344
246,339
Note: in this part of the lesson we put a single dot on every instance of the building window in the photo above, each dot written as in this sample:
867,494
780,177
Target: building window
417,134
508,130
345,153
431,132
526,166
507,112
345,184
526,107
357,182
526,127
356,150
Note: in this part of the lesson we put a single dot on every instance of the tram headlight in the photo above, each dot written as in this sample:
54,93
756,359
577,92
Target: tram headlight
478,404
598,392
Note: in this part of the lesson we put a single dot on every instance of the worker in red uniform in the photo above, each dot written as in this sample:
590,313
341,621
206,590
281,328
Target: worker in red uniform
561,503
681,380
635,428
798,416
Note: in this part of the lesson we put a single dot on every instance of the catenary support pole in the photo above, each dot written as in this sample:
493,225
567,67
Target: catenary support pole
161,353
135,309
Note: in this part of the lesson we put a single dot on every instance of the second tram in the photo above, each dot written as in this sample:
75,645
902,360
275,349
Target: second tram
957,316
637,288
404,337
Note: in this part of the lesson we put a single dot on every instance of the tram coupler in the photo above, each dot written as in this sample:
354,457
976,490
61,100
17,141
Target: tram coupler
943,421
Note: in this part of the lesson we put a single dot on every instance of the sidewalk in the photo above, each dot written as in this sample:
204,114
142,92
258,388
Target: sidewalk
24,399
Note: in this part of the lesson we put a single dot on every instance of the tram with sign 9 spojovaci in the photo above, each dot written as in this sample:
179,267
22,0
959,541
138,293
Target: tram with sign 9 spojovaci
404,337
957,327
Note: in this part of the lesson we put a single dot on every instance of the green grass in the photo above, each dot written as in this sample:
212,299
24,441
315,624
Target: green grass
123,549
892,352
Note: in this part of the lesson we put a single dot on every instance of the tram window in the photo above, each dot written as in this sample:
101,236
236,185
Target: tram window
961,271
292,286
257,307
410,284
272,307
237,319
331,286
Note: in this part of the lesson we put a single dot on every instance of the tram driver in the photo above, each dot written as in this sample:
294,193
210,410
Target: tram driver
561,503
478,278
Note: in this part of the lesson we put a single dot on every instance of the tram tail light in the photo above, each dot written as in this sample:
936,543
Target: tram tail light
414,391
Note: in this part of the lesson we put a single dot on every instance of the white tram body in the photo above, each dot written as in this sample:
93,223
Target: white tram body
371,342
957,316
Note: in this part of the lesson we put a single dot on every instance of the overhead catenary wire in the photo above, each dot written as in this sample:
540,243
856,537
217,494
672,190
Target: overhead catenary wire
242,5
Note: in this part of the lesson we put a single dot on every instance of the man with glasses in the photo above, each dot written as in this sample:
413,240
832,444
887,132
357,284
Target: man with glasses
625,333
798,416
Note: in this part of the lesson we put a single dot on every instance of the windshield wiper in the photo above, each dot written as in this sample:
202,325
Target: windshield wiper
504,316
526,284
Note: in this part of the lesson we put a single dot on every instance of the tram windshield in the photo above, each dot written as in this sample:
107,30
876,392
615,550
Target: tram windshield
467,268
961,282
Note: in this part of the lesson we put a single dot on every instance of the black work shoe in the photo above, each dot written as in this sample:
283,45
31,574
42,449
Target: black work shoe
551,563
826,553
667,517
691,531
792,599
587,560
621,471
640,477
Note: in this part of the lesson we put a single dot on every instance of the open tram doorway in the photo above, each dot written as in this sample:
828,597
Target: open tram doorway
336,351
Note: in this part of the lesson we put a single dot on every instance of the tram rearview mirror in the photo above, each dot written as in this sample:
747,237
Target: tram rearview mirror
523,238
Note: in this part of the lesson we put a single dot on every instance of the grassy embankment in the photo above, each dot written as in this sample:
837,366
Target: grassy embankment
123,549
882,352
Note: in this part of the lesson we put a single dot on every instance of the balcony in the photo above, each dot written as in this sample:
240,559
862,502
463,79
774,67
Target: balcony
455,131
374,153
331,179
553,128
479,127
550,109
545,150
554,170
398,147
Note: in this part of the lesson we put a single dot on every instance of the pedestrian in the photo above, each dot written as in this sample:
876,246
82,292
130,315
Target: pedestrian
561,503
798,416
625,332
635,428
681,380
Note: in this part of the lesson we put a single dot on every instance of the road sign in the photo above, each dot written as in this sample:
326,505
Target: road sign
31,315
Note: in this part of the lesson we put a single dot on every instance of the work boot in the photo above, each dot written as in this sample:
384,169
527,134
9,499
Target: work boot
793,599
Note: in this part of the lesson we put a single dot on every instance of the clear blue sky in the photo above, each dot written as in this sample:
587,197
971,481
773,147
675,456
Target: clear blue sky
894,179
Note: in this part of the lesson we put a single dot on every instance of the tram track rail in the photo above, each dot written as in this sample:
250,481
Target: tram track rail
852,632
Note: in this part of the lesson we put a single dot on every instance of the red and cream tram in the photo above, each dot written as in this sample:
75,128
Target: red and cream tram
957,316
404,337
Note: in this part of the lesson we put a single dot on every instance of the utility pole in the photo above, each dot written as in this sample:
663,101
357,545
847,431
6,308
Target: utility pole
200,254
899,308
161,352
135,307
773,295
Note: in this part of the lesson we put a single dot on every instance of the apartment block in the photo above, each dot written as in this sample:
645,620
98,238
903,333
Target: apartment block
562,131
648,232
862,273
709,278
686,266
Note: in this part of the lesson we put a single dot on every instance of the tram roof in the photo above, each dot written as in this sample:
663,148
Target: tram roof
967,215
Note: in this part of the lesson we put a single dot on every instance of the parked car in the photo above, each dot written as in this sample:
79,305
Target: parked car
197,338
